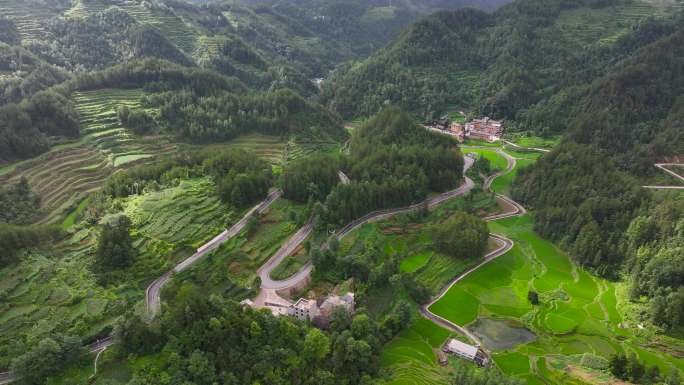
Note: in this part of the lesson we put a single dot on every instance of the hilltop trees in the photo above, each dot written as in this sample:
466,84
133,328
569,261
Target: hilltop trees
241,177
14,239
393,163
18,204
211,340
588,216
47,357
656,260
310,178
26,126
462,236
115,249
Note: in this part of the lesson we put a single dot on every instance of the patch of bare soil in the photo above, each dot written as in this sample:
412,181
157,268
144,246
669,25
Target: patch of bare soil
235,268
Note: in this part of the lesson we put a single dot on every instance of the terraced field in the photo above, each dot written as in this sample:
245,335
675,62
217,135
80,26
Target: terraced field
604,25
55,290
30,18
171,223
411,356
83,8
301,149
578,313
231,269
208,47
66,174
171,26
271,148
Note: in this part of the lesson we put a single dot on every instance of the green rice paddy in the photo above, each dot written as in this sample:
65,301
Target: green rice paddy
70,220
578,312
532,141
496,161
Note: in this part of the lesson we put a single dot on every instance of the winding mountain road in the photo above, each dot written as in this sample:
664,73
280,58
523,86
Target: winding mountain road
270,286
663,166
505,245
297,279
6,378
152,294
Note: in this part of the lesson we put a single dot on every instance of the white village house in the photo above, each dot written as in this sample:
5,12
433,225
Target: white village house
308,309
465,351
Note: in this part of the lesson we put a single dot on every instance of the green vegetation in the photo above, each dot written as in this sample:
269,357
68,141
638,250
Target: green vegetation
531,141
75,214
496,161
393,162
411,357
461,236
114,249
18,204
290,265
230,270
564,320
63,176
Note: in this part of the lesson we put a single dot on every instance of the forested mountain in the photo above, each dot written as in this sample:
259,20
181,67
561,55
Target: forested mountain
607,75
360,27
500,64
268,45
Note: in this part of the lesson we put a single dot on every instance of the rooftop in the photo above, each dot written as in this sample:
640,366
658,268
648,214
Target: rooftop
457,346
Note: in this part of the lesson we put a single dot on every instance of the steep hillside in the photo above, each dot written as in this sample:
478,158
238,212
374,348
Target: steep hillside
501,63
269,45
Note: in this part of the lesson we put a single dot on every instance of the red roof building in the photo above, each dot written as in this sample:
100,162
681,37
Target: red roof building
485,129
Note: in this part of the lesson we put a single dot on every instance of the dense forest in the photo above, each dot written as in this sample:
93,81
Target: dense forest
212,340
393,162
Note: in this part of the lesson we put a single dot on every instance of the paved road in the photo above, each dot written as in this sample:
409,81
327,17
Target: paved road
526,148
101,344
152,294
285,250
95,348
505,245
6,378
343,177
268,283
663,167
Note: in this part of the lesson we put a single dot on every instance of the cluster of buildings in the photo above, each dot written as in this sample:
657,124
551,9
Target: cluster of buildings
319,315
465,351
482,129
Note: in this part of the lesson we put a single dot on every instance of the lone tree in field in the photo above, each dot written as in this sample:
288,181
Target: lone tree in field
115,245
533,297
461,236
